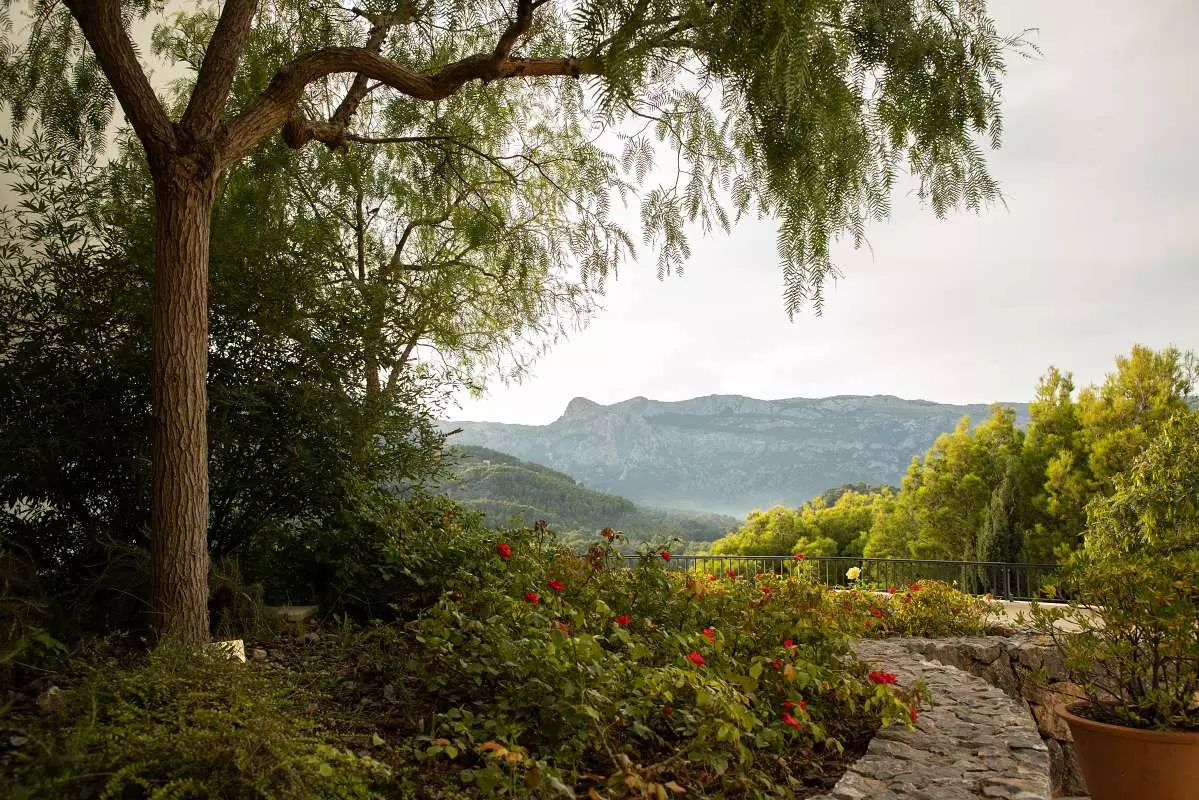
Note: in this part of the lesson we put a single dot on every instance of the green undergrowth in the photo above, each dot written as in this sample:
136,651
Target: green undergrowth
179,724
542,674
924,608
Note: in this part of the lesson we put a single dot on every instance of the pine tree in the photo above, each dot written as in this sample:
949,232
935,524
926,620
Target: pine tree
1001,538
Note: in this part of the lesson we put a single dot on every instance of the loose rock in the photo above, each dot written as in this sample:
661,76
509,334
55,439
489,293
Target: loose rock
50,700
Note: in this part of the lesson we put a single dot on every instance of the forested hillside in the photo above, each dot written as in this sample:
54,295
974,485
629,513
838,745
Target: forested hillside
505,487
995,491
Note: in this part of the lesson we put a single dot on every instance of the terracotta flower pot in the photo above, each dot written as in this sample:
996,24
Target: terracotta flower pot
1121,763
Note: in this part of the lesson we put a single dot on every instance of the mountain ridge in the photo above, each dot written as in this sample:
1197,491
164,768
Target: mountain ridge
729,453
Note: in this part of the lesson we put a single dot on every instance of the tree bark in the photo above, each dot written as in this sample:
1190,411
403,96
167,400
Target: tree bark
184,193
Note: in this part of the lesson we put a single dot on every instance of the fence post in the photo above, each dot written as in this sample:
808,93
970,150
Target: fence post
1007,581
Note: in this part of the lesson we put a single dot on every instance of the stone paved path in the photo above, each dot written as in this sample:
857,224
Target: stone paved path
974,742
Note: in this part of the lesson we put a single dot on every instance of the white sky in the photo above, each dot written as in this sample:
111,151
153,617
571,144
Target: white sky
1098,249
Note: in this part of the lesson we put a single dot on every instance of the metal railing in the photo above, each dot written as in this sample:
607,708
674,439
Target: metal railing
1003,580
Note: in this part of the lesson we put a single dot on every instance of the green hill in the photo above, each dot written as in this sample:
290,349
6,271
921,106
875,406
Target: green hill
505,487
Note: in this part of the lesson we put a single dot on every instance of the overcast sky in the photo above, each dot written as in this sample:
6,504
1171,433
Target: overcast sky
1098,249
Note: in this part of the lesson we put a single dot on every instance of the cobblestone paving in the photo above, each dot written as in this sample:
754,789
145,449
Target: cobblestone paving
974,742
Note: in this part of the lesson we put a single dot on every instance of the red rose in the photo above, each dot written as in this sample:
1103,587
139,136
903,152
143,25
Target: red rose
881,676
709,634
776,664
789,644
665,555
533,597
912,713
623,619
788,704
505,550
765,590
876,612
799,556
790,720
915,587
890,590
695,658
907,598
711,577
802,705
556,585
731,574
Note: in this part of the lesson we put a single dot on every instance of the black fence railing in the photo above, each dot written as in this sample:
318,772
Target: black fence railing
1007,581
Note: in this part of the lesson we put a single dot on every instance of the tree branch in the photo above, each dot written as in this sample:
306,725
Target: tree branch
275,105
395,262
402,361
353,137
516,29
215,79
380,25
101,24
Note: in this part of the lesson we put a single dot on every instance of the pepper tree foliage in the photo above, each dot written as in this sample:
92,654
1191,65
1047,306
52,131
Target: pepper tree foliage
454,247
803,111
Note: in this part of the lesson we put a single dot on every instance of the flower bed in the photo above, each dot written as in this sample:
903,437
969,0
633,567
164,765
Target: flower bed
538,673
636,681
544,674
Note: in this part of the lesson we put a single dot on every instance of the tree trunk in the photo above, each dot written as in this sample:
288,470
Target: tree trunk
184,194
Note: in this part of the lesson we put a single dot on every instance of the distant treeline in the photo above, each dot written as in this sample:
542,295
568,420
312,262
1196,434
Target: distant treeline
994,492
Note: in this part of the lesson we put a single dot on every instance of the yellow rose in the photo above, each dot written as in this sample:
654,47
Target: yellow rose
852,573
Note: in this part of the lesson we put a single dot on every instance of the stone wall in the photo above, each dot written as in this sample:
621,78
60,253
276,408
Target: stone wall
1026,670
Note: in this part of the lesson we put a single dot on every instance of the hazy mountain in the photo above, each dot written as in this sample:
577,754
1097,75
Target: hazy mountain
727,453
503,487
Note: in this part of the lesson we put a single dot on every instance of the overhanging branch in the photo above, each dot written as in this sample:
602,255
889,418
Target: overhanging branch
380,25
275,105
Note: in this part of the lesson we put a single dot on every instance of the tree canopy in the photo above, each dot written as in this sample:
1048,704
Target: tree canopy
996,492
1000,491
804,111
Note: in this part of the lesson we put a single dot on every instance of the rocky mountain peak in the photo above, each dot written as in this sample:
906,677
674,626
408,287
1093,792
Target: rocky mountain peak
729,453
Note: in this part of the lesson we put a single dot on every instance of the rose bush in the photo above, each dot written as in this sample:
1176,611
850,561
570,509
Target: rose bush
632,681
